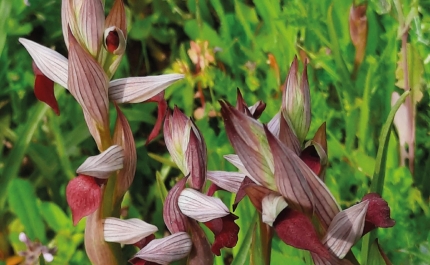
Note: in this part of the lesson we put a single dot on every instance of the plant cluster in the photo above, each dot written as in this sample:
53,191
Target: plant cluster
279,192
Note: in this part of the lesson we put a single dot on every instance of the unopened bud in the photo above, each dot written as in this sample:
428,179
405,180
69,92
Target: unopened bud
114,40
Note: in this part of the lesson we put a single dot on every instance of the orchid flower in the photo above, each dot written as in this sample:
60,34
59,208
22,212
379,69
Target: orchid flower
282,180
95,47
184,206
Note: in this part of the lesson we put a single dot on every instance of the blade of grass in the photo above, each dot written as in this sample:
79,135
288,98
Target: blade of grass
242,255
17,153
379,173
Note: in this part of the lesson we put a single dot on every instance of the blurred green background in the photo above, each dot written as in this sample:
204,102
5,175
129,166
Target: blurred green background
242,44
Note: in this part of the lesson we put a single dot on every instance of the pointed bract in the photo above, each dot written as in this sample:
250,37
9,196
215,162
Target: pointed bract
91,21
247,138
127,231
88,83
296,101
161,113
196,157
123,136
102,165
165,250
313,195
201,207
174,219
83,196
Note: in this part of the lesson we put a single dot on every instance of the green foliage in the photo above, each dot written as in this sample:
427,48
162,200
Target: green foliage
253,44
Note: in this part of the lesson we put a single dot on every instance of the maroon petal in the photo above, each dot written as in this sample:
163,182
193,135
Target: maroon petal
162,110
174,219
241,193
83,195
144,241
225,231
378,213
311,159
212,189
295,229
287,135
44,89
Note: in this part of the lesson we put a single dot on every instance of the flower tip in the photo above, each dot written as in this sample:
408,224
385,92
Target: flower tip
114,40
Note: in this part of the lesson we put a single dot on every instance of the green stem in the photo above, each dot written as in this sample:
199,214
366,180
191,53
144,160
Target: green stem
379,172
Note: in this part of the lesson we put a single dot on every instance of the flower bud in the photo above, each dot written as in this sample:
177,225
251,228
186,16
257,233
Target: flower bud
187,147
114,40
296,101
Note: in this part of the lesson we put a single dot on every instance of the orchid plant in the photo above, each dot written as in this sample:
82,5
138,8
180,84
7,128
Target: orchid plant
95,47
281,173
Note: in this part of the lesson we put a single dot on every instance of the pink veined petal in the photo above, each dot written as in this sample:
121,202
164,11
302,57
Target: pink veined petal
201,207
290,180
166,250
52,64
140,89
229,181
127,231
102,165
346,229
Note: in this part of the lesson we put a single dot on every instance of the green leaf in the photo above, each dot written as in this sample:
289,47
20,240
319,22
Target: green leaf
55,217
5,7
23,202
